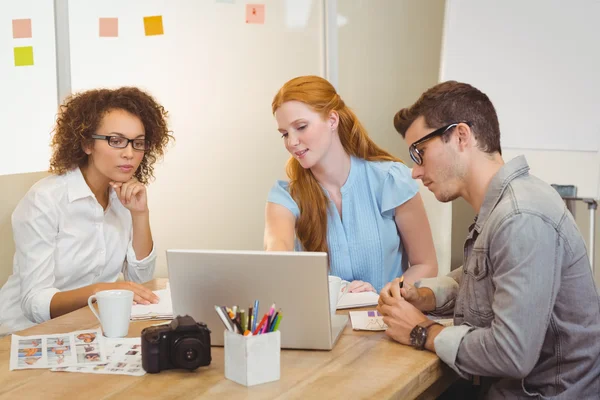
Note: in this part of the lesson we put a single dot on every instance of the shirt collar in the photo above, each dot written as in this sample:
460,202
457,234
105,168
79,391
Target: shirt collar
505,175
77,186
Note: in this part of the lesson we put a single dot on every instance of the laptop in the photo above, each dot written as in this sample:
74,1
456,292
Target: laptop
297,282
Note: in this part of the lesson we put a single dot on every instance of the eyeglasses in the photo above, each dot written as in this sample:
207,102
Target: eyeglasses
121,142
417,155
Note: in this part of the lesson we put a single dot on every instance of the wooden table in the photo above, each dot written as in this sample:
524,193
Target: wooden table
361,365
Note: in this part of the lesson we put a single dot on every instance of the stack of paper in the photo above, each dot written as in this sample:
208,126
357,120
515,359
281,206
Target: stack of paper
162,310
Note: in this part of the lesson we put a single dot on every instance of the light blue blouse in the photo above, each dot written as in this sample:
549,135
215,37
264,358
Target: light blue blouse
364,244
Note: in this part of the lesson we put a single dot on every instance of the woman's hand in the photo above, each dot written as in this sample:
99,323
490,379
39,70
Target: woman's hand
141,294
132,195
360,286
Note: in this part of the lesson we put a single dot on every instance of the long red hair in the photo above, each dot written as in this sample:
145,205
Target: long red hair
320,95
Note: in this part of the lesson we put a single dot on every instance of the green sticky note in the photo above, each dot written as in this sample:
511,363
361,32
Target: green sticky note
23,56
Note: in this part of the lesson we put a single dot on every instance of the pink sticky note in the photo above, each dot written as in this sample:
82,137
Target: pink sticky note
109,27
255,13
21,28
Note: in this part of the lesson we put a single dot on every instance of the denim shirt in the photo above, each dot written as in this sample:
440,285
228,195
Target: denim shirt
526,309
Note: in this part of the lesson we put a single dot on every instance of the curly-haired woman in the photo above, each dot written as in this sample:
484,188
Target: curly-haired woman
77,229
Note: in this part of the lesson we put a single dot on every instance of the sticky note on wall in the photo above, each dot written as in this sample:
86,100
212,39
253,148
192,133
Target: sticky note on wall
109,27
21,28
23,56
153,25
255,13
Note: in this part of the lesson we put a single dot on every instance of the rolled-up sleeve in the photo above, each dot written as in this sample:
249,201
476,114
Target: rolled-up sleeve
139,271
445,289
524,253
35,226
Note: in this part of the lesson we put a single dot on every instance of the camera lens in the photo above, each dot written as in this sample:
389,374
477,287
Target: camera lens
187,353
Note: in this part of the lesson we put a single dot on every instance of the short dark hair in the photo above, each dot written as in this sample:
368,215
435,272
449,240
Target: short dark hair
449,102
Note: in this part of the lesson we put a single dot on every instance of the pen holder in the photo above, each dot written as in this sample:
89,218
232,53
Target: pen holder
252,360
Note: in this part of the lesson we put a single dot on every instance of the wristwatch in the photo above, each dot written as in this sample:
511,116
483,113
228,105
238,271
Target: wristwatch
418,336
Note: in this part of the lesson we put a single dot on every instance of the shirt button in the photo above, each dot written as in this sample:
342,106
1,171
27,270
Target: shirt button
101,251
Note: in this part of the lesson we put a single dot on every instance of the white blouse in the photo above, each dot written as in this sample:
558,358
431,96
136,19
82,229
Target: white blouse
65,240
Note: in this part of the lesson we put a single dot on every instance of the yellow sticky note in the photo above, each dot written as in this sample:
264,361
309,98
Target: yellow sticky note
23,56
153,25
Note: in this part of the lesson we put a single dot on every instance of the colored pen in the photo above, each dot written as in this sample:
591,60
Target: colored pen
276,327
255,315
260,326
250,318
233,321
244,320
273,320
270,319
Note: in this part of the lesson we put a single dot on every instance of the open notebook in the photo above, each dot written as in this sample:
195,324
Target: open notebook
162,310
354,300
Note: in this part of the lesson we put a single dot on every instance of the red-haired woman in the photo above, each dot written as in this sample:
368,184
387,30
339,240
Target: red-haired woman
345,195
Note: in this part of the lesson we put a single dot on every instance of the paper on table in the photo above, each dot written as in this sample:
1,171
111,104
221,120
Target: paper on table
124,357
162,310
373,321
46,351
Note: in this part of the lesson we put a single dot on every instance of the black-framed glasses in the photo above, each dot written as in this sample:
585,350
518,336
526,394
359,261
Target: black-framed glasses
121,142
417,155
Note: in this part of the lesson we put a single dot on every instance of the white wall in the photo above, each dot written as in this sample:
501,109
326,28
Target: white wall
29,97
538,61
388,54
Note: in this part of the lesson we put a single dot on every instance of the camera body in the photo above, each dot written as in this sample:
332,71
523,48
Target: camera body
183,343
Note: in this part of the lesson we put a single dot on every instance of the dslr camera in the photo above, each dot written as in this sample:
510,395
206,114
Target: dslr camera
183,343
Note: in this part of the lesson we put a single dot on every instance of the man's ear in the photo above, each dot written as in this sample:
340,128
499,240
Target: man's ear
333,120
464,136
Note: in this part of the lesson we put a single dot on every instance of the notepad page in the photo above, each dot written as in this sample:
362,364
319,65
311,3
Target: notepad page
354,300
163,308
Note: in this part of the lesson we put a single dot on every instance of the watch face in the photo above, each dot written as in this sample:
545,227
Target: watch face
418,336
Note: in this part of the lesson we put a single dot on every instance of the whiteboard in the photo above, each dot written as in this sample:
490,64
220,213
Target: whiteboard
29,93
216,75
537,60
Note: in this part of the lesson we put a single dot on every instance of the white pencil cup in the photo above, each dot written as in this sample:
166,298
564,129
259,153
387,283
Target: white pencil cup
252,360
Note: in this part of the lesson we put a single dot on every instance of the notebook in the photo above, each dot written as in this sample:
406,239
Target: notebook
162,310
355,300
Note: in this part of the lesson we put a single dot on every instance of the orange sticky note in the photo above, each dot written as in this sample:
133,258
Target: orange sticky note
109,27
153,25
255,13
21,28
23,56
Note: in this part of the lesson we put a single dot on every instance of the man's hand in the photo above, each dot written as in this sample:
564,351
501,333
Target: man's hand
398,314
422,298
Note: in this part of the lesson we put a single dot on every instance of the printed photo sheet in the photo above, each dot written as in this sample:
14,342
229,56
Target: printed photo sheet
80,348
372,320
124,357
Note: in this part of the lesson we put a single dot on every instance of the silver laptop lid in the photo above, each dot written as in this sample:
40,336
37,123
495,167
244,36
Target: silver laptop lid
295,281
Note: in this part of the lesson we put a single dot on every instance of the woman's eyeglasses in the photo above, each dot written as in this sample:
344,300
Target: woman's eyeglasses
121,142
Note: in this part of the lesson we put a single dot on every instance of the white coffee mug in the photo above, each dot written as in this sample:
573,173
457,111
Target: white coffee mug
115,311
335,287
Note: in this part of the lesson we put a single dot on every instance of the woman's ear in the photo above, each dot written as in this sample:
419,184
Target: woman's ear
333,120
86,146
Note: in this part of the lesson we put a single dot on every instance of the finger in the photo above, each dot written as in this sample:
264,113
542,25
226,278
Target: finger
129,193
395,288
144,293
124,188
385,292
353,285
137,299
137,191
117,189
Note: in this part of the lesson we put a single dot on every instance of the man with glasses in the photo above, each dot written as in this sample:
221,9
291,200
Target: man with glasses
526,309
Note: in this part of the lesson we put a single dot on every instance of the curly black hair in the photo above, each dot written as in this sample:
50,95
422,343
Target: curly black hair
81,114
